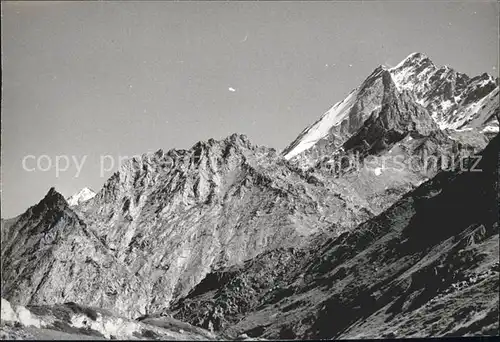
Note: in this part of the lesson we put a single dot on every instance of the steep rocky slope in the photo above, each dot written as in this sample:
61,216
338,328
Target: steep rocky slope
169,218
455,100
421,91
173,217
428,266
387,136
396,148
49,255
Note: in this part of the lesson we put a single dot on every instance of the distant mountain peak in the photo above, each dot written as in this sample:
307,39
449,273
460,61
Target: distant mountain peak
453,100
240,139
237,139
81,196
414,57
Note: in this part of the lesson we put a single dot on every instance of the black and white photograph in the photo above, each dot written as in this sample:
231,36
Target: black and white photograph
250,170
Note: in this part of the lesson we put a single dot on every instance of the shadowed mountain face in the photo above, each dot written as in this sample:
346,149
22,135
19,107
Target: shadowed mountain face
428,266
241,239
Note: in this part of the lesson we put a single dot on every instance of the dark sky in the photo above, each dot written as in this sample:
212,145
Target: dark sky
124,78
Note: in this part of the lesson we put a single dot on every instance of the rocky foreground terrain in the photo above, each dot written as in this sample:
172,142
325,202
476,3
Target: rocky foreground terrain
365,226
75,322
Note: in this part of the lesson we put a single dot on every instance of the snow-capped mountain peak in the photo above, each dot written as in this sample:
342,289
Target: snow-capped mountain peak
81,196
451,97
454,101
412,59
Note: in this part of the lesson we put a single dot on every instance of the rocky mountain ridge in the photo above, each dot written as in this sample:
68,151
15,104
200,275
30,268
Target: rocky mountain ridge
227,214
170,218
428,266
452,98
455,103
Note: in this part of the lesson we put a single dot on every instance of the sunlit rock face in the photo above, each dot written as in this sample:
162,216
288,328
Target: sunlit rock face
49,256
162,222
455,100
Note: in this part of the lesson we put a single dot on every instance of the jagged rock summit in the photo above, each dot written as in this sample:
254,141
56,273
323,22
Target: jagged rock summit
170,218
453,100
427,266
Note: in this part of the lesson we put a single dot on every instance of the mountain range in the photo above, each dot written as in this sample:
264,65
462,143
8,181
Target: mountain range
373,222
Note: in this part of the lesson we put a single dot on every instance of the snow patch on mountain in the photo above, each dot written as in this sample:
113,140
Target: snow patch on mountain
320,128
453,99
75,322
490,129
81,196
19,314
404,73
476,115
